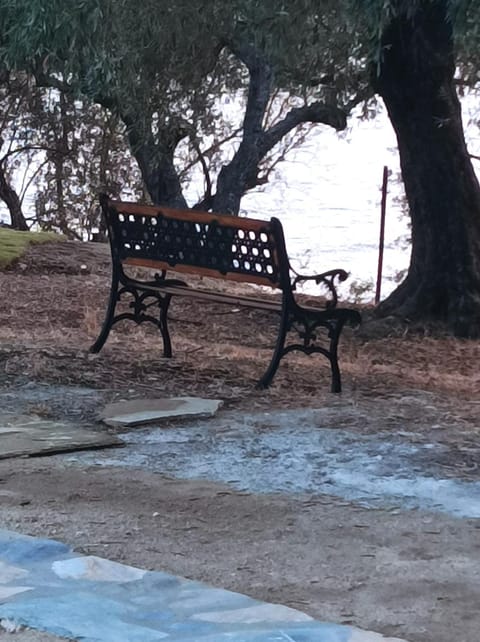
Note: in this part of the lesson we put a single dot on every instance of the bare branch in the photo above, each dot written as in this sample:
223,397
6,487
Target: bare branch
26,185
208,181
28,148
209,151
361,96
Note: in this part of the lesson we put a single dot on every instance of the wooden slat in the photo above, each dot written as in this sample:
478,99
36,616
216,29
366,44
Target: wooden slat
212,296
186,269
195,216
217,297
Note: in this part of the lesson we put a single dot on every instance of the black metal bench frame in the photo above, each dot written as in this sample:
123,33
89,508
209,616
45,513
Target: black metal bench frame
224,247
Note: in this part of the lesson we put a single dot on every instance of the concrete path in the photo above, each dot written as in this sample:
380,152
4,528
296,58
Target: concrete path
293,451
44,585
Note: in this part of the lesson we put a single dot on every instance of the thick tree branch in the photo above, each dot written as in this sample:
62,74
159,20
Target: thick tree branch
317,112
52,82
11,199
28,148
233,177
258,91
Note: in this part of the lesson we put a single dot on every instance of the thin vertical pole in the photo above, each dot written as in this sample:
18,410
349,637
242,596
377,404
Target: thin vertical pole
382,234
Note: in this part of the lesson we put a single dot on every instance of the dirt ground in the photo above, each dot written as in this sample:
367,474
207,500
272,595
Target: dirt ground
409,574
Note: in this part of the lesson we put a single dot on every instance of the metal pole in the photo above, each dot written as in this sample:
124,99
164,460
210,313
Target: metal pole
382,234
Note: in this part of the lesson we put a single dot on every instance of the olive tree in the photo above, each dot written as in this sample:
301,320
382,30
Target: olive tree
161,67
419,52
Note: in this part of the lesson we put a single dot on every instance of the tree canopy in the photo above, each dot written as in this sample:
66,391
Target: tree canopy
161,67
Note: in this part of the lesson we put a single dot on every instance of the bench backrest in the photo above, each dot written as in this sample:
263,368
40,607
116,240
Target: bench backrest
214,245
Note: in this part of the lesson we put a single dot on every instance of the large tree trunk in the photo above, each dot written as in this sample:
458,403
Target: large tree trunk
415,80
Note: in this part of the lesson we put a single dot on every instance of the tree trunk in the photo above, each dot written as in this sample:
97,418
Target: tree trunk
415,80
155,161
10,197
159,175
233,178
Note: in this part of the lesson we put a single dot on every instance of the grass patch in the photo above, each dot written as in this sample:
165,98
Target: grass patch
13,243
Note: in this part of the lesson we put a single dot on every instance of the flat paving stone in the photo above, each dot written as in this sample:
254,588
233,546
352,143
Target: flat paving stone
144,411
28,436
47,586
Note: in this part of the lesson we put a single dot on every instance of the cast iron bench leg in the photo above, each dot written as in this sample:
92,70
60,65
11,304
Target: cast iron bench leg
334,333
163,325
109,317
278,353
336,381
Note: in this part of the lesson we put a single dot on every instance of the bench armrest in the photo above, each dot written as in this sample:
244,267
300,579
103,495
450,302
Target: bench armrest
325,279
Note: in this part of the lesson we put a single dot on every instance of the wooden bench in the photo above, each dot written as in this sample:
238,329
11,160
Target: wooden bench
223,247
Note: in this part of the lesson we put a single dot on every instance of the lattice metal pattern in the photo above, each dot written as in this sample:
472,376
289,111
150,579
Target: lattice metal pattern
211,244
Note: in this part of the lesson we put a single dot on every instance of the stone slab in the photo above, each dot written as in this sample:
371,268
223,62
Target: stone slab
145,411
26,436
94,600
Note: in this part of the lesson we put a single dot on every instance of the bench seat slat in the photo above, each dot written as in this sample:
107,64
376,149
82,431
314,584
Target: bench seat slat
200,271
242,300
216,297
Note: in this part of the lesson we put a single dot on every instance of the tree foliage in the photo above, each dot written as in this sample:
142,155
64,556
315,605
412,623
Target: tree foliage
136,60
84,153
13,95
57,154
374,16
